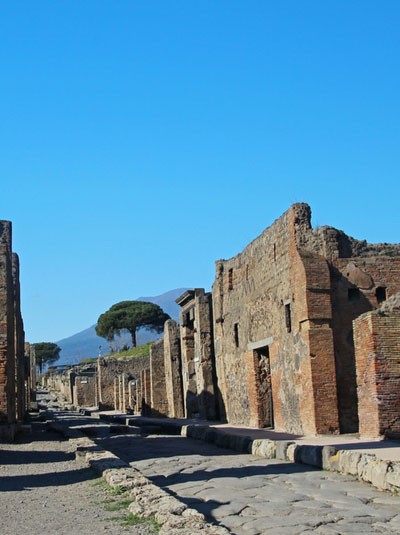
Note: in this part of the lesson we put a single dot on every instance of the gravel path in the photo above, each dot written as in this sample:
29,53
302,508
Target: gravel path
44,491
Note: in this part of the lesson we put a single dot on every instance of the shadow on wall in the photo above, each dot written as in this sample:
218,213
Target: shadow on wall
348,303
205,406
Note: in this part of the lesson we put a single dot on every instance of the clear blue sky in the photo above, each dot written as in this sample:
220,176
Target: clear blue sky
142,140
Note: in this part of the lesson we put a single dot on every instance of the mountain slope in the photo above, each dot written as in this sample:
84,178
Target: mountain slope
86,343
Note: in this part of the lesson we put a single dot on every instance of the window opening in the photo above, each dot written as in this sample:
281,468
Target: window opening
288,318
236,334
230,279
381,294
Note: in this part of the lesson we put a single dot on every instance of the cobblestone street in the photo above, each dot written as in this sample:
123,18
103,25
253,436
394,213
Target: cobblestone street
254,496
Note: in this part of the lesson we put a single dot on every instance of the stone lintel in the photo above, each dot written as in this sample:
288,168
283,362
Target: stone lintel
260,343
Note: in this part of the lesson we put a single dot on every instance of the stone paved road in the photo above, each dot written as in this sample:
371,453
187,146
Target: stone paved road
254,496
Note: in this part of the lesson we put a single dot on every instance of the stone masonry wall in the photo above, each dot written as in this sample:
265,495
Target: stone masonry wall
159,400
110,374
7,334
377,353
85,390
199,381
21,373
272,332
173,369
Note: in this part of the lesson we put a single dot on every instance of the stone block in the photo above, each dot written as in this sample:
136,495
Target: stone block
281,448
379,470
365,466
311,455
392,478
291,452
264,448
349,461
329,458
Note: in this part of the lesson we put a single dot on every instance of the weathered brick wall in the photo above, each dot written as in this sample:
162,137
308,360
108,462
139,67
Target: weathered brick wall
272,311
7,333
159,400
356,282
377,354
173,369
361,274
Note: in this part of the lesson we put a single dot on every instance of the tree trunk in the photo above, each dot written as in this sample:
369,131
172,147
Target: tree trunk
133,334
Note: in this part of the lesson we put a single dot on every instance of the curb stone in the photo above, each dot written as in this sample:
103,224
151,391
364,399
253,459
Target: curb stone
148,500
382,474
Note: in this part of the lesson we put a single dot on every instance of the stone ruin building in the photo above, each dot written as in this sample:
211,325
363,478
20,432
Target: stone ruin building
298,334
17,387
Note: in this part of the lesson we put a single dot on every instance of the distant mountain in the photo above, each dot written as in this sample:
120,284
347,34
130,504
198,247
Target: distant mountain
86,343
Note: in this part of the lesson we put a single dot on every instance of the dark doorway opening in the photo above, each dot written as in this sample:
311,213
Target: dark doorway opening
264,387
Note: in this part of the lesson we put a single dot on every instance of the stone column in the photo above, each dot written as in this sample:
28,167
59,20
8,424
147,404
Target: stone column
7,337
173,369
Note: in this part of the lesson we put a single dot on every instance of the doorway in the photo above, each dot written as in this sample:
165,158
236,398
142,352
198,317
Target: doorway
264,387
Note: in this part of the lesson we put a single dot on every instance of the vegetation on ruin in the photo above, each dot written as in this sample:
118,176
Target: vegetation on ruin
117,499
130,316
139,351
46,353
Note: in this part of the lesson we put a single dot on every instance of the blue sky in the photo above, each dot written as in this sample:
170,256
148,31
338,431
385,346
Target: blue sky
141,141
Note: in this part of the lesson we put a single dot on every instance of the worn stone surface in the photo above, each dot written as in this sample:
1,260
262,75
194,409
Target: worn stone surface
173,369
159,400
249,494
200,390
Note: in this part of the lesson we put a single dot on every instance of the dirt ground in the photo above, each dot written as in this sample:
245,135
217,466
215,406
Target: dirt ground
44,491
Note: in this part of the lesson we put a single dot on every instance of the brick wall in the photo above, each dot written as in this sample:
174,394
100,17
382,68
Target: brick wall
377,355
7,333
273,295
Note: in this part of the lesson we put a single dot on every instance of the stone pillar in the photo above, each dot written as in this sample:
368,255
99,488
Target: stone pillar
159,402
204,356
173,369
198,358
19,340
7,336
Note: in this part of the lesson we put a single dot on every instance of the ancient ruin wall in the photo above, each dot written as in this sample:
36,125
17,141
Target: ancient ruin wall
266,307
362,276
159,401
377,350
173,369
7,343
199,381
110,373
21,372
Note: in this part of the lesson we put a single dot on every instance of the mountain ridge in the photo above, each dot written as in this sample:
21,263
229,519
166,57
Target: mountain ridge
86,343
